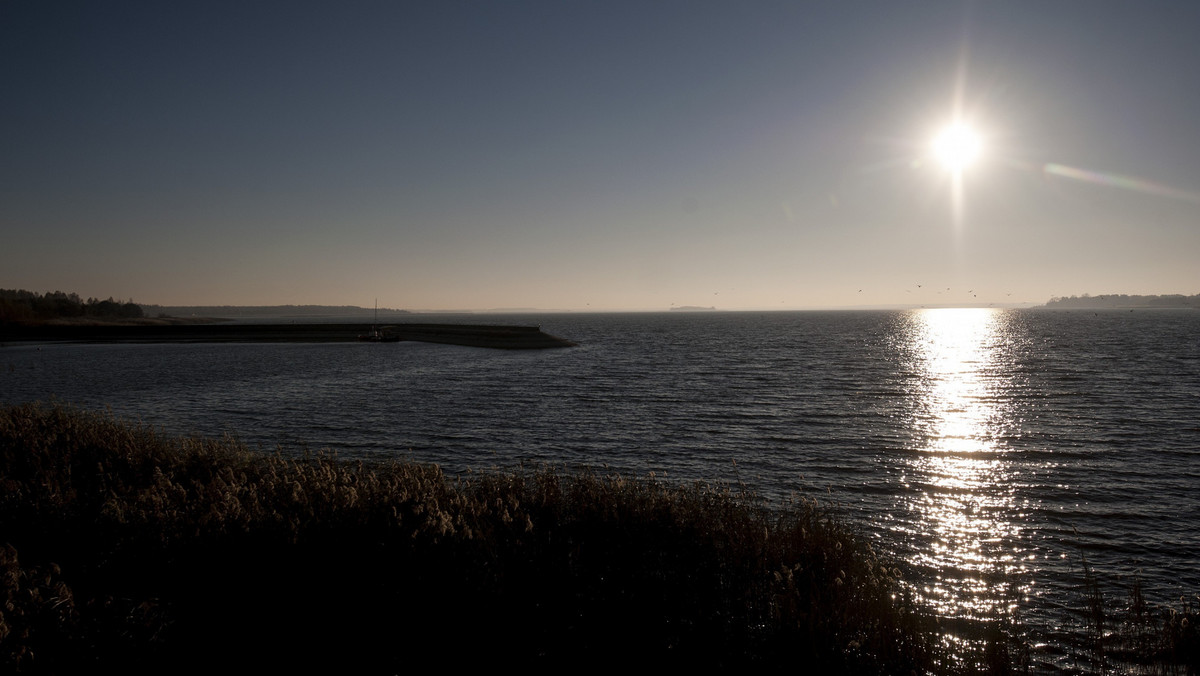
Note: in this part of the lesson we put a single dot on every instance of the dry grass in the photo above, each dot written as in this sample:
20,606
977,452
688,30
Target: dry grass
121,547
1136,637
126,547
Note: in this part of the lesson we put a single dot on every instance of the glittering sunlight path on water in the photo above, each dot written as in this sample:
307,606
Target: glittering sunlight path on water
963,484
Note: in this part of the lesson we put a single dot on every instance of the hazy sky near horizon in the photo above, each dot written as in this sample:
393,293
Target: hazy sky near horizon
597,155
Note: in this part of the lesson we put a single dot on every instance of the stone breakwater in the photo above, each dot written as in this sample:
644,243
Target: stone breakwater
474,335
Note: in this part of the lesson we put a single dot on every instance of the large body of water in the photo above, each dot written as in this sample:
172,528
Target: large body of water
967,442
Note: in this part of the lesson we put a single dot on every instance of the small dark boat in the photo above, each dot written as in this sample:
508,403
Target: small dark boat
375,335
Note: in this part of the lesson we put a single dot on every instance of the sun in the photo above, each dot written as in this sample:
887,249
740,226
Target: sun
957,147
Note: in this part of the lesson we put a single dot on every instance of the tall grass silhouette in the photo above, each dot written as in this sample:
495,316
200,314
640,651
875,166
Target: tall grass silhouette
123,547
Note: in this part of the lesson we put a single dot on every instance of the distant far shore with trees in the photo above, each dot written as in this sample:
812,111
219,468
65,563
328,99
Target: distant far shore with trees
18,306
1120,300
27,307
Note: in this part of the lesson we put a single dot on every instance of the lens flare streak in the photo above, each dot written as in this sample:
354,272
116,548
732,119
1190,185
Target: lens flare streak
1119,181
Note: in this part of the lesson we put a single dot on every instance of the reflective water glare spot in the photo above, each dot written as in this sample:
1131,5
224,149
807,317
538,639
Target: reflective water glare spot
963,486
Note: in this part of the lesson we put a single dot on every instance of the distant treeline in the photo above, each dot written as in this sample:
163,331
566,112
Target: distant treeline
232,311
1115,300
27,306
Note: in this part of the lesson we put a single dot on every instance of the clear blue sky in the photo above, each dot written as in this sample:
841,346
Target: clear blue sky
597,155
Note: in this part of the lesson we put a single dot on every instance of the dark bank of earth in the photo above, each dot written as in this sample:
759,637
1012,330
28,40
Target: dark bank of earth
502,337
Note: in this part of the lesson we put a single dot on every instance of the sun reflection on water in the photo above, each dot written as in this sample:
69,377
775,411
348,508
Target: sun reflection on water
961,483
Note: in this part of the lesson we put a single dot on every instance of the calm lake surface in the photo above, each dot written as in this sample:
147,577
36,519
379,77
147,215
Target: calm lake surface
967,442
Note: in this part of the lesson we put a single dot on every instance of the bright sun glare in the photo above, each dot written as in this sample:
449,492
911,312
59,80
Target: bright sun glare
956,147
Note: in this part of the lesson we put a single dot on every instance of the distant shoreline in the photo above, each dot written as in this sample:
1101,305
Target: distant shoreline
1115,301
473,335
264,311
140,321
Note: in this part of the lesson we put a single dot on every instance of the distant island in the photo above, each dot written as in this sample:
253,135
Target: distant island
1122,301
692,308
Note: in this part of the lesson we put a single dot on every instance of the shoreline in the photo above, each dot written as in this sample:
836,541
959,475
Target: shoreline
471,335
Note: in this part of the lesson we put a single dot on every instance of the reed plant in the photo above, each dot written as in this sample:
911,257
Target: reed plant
129,548
123,547
1134,636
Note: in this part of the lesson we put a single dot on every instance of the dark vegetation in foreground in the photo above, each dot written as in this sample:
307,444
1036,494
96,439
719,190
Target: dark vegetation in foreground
122,547
128,548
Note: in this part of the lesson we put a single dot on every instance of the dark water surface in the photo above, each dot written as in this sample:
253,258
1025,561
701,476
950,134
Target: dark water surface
968,442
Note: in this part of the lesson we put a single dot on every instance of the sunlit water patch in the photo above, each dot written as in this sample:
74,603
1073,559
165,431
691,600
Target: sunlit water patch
960,484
